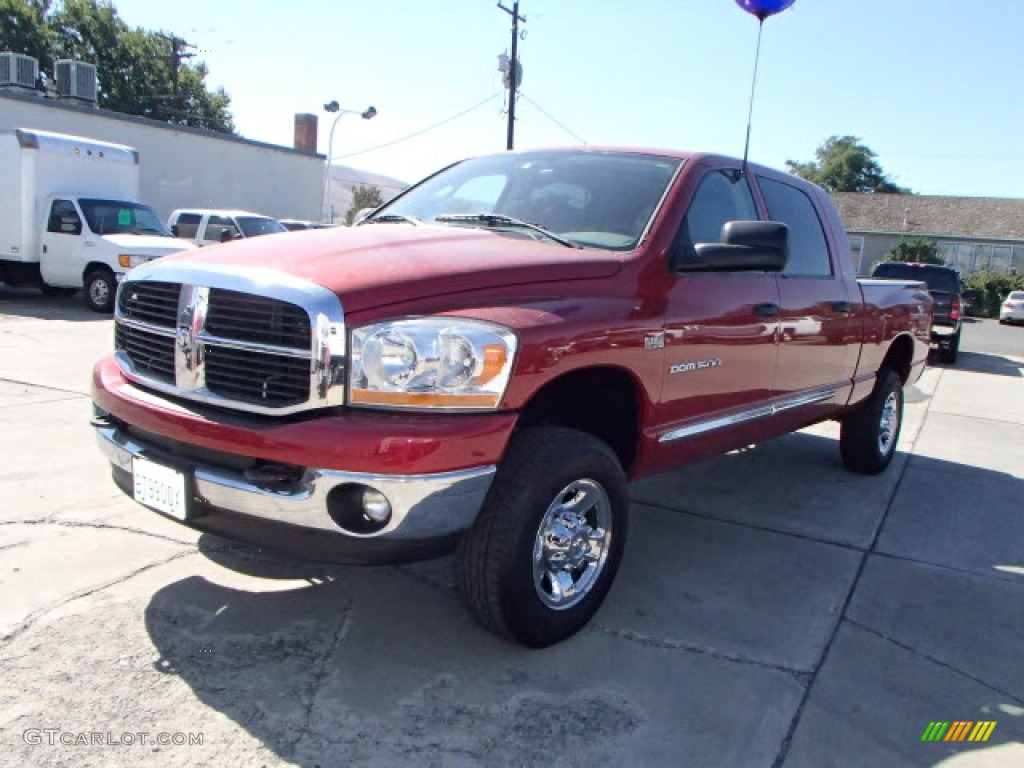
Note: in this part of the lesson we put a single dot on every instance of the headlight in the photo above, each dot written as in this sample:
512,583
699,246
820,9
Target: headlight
129,261
431,362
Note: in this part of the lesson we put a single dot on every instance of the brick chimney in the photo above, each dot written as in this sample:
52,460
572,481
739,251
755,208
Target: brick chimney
305,132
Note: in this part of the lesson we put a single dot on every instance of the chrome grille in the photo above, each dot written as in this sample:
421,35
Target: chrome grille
256,377
151,353
276,346
150,302
258,319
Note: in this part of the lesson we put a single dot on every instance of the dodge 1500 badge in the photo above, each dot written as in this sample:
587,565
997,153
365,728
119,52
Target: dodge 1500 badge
485,362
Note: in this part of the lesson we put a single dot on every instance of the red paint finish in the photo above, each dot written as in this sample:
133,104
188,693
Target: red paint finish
572,310
353,441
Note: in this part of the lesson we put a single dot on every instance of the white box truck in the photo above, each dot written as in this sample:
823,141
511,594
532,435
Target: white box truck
70,218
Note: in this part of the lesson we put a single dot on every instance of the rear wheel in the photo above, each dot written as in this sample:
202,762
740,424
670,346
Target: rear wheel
868,436
545,548
948,354
100,289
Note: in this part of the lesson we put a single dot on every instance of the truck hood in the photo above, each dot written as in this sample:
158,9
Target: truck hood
147,245
380,264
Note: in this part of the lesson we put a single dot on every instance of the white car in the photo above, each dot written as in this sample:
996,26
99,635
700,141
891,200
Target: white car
1012,310
204,226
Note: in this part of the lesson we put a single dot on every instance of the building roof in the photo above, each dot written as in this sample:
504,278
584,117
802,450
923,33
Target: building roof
978,217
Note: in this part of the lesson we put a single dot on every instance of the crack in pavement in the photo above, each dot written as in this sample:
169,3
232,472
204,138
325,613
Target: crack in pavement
37,614
751,526
320,678
96,526
632,636
933,659
77,393
787,740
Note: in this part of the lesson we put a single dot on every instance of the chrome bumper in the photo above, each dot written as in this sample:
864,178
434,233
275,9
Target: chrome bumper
423,506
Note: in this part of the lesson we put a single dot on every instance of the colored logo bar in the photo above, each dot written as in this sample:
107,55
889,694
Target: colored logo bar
958,730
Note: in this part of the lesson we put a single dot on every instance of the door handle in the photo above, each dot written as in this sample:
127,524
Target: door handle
841,307
44,249
766,311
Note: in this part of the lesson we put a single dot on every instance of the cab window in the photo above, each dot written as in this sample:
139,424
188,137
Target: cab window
808,247
721,197
216,226
188,225
64,219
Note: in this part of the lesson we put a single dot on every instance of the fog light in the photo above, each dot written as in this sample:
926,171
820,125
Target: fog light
376,506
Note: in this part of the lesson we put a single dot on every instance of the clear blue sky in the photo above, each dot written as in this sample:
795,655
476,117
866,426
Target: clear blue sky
933,86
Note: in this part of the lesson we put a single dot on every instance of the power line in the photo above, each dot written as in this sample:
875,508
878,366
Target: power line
413,135
551,117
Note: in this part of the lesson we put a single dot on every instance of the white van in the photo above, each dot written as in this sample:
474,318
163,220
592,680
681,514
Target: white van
209,226
70,219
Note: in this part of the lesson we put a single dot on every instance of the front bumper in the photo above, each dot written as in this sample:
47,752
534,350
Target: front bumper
429,512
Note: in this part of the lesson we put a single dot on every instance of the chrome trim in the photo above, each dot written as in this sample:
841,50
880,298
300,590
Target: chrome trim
422,506
661,203
326,351
761,412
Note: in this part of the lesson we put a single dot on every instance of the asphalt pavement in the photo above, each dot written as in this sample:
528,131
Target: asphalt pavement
772,609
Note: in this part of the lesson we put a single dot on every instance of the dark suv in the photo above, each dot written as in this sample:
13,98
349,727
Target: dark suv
944,286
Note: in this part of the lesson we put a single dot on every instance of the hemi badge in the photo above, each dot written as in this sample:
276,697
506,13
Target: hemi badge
655,340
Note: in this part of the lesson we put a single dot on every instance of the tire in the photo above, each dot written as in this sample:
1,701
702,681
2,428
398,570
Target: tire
949,355
533,568
868,436
100,290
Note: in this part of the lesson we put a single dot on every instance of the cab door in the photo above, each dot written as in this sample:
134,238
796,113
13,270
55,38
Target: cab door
721,331
819,333
63,242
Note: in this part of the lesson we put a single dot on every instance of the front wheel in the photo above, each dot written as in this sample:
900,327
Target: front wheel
868,435
544,550
100,289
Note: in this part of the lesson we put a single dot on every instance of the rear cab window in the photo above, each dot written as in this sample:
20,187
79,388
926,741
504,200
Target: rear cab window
188,225
808,245
941,279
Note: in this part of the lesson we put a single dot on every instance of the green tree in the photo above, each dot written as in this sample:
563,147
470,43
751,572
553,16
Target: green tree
134,66
844,164
363,196
23,29
917,249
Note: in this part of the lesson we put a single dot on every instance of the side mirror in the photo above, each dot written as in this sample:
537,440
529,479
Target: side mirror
746,246
174,230
226,235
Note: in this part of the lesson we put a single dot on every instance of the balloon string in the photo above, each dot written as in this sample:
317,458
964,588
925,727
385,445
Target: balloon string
753,87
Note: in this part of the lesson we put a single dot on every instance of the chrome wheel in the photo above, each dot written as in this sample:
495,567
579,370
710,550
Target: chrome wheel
889,424
572,544
99,292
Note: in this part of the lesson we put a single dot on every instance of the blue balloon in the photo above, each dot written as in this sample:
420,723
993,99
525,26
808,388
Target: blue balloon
764,8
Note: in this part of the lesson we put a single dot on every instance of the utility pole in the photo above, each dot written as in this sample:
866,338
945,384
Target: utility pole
179,51
513,71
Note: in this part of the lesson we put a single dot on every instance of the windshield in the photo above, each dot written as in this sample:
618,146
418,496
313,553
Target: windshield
941,279
595,199
254,226
117,217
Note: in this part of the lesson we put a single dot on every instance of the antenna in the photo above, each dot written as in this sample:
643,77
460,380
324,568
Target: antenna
761,9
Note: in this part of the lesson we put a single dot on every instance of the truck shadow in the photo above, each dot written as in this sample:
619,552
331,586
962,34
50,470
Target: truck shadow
338,665
31,303
984,363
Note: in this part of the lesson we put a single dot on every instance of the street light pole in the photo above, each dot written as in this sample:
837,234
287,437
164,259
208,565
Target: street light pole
333,106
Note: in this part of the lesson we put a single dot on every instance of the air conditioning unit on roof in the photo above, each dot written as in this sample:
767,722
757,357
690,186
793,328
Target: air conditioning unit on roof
76,80
18,71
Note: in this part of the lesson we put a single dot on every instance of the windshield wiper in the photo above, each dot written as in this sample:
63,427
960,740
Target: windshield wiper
387,218
500,220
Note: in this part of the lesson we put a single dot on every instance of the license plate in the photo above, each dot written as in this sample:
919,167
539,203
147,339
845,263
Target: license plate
160,487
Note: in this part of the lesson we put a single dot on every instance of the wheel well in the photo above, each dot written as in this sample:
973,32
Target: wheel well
92,266
603,402
899,357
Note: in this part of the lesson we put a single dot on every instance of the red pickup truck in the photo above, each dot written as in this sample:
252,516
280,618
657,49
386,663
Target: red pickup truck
487,360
